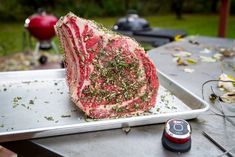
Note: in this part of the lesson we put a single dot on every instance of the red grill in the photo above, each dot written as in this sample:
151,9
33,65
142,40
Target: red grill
41,25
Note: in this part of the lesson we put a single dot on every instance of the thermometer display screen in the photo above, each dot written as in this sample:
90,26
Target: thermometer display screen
178,127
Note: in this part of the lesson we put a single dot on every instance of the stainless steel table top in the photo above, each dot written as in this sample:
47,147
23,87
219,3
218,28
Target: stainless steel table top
146,140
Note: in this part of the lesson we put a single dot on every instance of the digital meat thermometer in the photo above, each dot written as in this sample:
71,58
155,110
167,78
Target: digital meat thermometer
176,136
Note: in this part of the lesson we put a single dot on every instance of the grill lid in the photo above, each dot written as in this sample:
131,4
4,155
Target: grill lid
41,25
131,22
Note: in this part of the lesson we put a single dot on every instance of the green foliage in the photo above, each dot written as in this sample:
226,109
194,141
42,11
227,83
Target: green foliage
86,9
12,10
232,8
113,7
11,33
10,37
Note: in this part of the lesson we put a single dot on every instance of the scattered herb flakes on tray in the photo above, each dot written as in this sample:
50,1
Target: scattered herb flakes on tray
49,118
65,116
31,102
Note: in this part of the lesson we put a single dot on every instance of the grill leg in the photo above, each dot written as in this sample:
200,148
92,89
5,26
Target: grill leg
35,52
54,47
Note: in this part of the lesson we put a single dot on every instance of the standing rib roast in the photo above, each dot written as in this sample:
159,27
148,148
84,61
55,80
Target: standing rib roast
108,75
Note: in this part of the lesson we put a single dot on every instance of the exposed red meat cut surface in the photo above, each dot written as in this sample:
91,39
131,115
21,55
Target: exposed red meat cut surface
108,75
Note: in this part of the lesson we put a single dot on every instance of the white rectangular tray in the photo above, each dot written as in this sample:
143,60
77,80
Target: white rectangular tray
37,104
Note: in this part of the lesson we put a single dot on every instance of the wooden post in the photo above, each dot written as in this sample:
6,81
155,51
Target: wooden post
224,13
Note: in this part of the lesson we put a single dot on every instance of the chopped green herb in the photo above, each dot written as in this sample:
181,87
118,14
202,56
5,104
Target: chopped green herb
124,85
55,83
126,95
115,107
163,98
121,109
15,105
112,95
16,99
139,73
102,53
136,106
91,49
31,102
26,82
113,75
144,97
122,64
46,102
2,125
65,116
4,89
167,106
74,110
49,118
82,58
23,105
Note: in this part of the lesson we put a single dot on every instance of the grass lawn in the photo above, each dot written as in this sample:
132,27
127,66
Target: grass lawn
11,34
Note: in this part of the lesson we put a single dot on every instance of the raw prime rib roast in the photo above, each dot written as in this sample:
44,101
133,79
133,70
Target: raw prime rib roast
108,75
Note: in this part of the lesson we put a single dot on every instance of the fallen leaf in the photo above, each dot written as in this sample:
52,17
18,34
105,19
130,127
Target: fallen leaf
182,54
188,70
191,61
227,52
205,51
178,38
180,61
227,86
228,97
207,59
218,56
